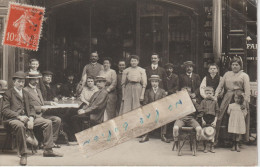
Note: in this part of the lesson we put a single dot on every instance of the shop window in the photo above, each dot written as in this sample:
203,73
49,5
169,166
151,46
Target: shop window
151,31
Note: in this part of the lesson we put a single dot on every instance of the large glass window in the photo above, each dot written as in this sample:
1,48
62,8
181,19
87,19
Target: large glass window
151,31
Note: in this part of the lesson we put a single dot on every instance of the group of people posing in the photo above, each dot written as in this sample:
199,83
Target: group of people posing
106,94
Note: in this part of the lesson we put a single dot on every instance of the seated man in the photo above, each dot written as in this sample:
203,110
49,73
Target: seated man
36,100
96,108
48,93
18,115
69,87
189,120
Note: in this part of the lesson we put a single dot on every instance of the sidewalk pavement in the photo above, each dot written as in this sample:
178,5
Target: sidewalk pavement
132,153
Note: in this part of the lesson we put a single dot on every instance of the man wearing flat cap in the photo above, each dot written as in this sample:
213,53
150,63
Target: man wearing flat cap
171,83
19,115
37,101
96,108
48,93
190,79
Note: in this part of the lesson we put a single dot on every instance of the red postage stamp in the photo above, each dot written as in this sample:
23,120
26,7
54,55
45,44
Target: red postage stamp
24,24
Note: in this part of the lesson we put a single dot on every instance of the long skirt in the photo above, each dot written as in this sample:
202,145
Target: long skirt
223,118
131,97
110,111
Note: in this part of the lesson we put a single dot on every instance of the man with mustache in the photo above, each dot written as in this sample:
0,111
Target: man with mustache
155,69
190,79
91,69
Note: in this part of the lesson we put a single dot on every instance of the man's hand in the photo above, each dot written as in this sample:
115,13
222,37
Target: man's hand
81,111
203,122
23,118
192,95
214,124
87,103
142,98
30,123
56,99
53,103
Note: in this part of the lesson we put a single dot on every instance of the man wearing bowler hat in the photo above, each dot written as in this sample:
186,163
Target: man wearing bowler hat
18,115
190,79
96,108
37,101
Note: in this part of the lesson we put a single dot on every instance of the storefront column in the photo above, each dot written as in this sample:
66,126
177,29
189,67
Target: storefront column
217,29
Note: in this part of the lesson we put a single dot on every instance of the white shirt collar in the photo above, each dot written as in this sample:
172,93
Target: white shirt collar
34,87
94,63
20,92
189,74
154,66
155,89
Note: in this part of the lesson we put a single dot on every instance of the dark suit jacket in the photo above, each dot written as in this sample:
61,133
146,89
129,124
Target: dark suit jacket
97,105
150,96
14,105
171,85
36,100
193,82
48,93
159,71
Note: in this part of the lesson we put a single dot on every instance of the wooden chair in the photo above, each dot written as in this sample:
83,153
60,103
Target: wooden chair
186,134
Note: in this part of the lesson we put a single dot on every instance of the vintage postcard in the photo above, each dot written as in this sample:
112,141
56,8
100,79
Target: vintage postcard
128,83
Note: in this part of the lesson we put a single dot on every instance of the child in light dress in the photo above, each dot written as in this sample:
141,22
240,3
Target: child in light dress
237,124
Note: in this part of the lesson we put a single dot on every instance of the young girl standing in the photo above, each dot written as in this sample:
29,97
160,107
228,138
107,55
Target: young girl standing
236,124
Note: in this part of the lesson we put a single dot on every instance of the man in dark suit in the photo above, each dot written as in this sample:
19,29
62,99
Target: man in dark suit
151,95
18,114
48,93
69,87
96,108
121,67
36,100
155,69
190,79
171,84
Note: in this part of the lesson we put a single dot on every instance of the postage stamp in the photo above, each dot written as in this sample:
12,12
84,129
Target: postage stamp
24,24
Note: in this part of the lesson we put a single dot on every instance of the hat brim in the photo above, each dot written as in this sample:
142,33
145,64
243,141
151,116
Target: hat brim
153,79
101,80
16,77
29,77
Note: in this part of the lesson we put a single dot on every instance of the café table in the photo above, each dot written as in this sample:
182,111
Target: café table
63,106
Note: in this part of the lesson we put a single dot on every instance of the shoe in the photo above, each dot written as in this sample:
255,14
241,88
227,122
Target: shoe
205,151
56,146
144,139
23,160
179,153
237,146
164,139
212,149
50,153
233,147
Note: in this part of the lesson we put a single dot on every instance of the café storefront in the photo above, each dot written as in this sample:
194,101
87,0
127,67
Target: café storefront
176,30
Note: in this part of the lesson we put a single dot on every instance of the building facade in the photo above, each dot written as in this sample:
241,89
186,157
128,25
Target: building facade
203,31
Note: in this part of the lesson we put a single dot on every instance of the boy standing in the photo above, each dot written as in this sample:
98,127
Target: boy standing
151,95
209,110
